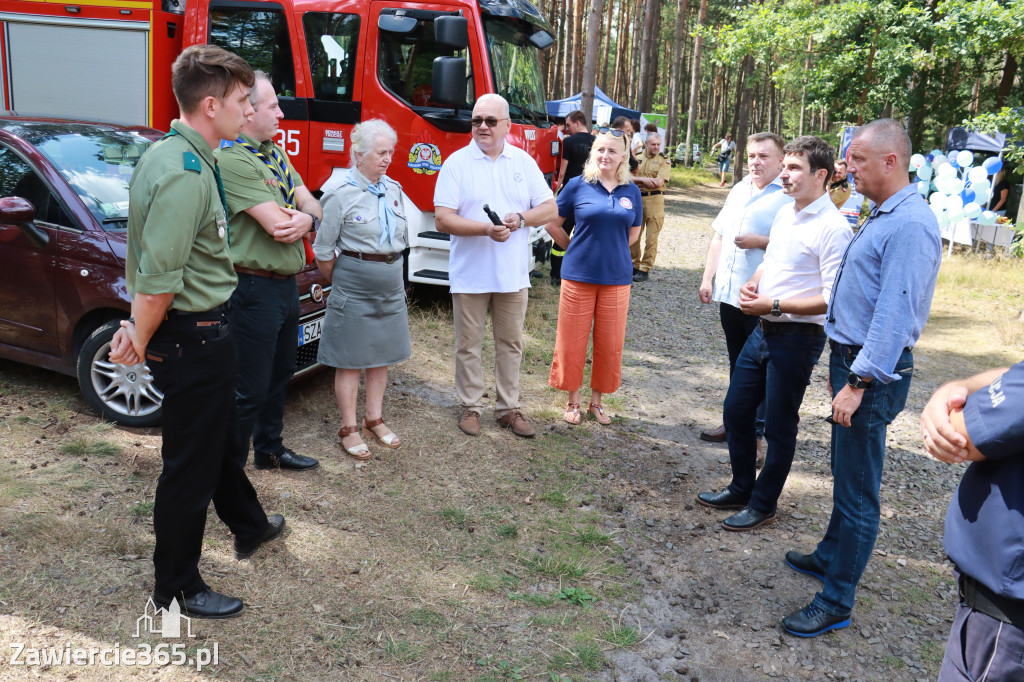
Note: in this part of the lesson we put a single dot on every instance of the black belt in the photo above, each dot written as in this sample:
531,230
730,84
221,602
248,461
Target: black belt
262,273
790,328
212,314
375,257
980,598
651,193
849,351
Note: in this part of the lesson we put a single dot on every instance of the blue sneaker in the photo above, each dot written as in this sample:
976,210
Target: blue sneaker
811,621
804,563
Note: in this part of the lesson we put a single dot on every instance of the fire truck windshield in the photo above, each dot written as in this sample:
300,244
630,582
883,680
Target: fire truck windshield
515,66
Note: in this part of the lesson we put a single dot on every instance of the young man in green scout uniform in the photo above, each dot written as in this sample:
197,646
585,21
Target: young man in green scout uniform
180,276
652,176
270,211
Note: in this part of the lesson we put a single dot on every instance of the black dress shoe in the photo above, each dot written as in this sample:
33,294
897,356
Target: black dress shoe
748,519
811,621
640,276
805,563
274,529
205,604
284,460
713,435
723,500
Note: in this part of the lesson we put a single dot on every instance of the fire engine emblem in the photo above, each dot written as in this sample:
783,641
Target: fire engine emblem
425,157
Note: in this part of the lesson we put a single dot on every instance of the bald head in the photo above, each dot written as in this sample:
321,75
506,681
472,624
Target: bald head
886,136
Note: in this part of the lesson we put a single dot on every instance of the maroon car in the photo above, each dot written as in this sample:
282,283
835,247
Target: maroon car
62,284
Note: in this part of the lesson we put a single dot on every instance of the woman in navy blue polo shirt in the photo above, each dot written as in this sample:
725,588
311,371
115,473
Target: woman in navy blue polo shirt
597,271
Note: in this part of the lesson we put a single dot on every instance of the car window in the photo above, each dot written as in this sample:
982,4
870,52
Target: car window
405,64
98,164
19,179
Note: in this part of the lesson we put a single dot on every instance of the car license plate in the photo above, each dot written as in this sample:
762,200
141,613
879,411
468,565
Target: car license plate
311,331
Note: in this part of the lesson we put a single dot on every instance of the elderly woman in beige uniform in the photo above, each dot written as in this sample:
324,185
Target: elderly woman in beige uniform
359,248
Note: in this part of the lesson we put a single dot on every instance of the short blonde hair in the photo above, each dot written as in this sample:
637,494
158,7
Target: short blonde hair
591,173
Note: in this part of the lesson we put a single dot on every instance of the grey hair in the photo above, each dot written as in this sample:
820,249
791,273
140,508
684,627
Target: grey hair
254,99
887,136
654,135
366,133
494,99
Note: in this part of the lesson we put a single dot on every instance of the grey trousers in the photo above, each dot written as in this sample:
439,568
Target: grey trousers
982,649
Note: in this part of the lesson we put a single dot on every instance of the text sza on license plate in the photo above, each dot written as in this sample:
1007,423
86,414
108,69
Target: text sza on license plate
311,331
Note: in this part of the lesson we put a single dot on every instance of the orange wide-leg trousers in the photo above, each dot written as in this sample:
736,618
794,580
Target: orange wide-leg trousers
582,307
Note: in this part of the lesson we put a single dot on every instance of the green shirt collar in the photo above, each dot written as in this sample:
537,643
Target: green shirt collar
202,147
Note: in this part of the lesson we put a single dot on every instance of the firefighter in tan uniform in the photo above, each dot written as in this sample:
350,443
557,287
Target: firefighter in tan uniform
652,177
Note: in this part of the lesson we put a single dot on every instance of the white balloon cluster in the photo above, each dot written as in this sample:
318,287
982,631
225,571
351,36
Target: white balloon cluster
961,191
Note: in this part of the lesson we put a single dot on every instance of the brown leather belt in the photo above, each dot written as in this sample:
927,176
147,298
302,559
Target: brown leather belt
375,257
651,193
261,273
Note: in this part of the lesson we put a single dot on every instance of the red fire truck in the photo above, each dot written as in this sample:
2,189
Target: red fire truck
417,65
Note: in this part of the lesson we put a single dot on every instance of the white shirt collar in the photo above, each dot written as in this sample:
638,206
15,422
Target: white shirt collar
477,153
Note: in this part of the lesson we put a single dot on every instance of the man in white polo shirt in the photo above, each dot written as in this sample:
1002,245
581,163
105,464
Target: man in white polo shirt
790,292
488,264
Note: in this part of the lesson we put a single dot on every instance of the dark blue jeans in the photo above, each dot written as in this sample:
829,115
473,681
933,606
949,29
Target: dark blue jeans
737,327
264,315
858,454
774,369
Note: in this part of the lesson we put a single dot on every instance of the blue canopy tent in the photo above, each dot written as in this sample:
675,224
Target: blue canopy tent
560,108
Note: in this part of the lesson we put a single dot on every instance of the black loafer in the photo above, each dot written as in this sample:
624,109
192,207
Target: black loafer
205,604
284,460
811,621
805,563
274,530
748,519
722,500
640,276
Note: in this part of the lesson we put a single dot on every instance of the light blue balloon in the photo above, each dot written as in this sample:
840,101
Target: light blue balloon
992,164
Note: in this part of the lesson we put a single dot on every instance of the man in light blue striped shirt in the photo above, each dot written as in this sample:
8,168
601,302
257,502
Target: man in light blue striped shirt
879,307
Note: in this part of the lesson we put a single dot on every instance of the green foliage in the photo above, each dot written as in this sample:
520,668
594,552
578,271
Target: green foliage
576,595
1006,120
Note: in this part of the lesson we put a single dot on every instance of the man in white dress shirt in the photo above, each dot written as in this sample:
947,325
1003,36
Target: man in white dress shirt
790,293
488,265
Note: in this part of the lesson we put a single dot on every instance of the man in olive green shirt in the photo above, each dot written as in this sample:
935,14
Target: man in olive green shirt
180,275
270,211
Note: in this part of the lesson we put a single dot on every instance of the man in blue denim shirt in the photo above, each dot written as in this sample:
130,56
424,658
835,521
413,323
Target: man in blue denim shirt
980,420
879,306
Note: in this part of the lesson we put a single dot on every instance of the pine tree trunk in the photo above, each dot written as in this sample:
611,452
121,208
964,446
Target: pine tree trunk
577,45
691,117
741,125
632,68
610,11
590,61
674,84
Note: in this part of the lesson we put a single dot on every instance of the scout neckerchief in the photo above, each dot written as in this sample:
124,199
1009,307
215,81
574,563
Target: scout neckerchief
285,182
220,184
385,216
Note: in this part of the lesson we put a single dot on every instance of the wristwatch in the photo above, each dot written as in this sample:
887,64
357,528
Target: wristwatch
854,381
776,310
522,220
316,223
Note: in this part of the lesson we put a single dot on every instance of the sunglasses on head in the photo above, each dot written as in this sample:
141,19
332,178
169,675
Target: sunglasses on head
477,121
614,131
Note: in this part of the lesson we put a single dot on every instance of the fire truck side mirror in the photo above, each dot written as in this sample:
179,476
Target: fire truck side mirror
452,32
448,82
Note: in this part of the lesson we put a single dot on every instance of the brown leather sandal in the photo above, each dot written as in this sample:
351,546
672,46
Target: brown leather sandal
572,413
361,451
388,440
597,413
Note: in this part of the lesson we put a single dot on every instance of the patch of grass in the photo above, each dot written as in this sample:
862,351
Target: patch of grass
401,650
502,670
916,595
558,566
932,652
585,656
894,662
453,516
621,637
143,508
613,590
556,498
82,447
440,676
576,595
532,599
552,621
425,617
592,536
485,582
507,531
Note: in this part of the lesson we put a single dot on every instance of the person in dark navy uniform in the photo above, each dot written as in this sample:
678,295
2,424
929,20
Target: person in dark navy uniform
180,276
980,420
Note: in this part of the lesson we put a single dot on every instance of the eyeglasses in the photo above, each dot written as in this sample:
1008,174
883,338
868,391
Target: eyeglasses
614,131
477,121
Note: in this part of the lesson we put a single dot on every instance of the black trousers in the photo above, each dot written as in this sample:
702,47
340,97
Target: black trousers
264,318
738,328
192,357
